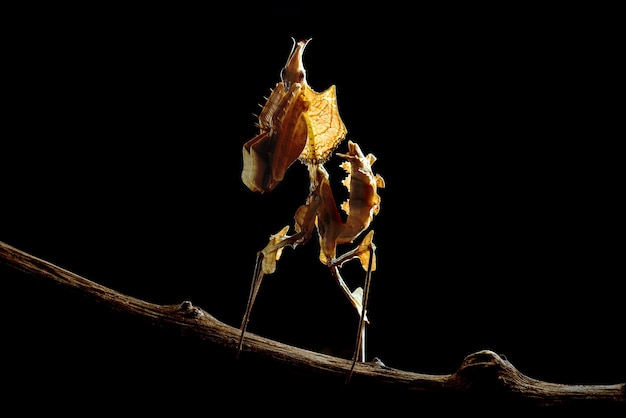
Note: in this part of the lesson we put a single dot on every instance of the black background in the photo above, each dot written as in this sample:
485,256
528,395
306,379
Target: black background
496,131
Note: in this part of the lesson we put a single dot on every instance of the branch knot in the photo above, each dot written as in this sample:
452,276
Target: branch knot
187,310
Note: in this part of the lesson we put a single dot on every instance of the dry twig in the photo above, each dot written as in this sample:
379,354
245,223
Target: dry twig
483,376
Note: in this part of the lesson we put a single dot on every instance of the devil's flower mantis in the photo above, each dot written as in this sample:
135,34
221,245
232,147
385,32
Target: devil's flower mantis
298,123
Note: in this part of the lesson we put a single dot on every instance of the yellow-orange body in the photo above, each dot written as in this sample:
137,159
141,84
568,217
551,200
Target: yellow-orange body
298,123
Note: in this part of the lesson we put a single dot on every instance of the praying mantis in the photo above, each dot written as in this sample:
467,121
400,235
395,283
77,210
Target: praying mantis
298,123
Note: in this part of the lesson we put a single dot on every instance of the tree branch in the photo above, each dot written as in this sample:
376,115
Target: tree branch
483,377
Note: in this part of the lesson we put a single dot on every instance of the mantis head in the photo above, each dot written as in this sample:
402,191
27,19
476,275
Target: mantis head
294,72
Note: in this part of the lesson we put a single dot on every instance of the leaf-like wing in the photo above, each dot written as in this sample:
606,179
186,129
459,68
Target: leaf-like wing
326,128
290,134
255,162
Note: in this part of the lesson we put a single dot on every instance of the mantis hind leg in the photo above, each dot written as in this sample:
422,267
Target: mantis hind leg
359,346
254,290
365,252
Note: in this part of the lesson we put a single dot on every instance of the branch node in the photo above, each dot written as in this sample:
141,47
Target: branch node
485,359
187,310
486,369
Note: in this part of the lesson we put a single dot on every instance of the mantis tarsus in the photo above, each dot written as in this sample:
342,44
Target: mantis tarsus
298,123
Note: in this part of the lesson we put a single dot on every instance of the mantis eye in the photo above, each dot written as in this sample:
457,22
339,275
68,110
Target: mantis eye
289,77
